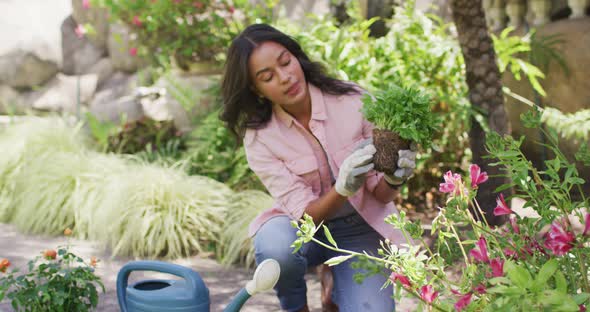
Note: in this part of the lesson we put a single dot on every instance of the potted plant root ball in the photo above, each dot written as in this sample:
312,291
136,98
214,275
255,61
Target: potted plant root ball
401,115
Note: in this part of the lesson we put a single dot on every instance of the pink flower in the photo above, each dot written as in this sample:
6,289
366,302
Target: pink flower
587,226
452,183
481,254
198,4
514,225
559,241
477,177
404,280
497,265
136,21
86,4
428,294
582,308
501,208
480,289
133,51
510,253
80,31
463,302
231,9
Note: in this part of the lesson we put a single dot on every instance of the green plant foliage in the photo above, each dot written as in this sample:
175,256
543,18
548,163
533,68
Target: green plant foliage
51,180
57,281
185,31
177,213
234,244
31,142
404,110
213,152
508,48
570,126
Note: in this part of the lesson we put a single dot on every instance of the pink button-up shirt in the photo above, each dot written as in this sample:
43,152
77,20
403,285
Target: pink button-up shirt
292,165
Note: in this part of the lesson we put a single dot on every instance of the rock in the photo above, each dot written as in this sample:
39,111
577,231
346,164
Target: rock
189,89
11,102
120,45
95,16
33,26
103,69
61,94
107,108
158,104
79,54
115,98
25,69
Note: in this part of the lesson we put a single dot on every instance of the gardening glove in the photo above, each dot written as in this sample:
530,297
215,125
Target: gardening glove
405,166
353,170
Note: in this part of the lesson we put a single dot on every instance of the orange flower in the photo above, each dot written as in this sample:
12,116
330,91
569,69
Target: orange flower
50,254
67,232
93,261
4,264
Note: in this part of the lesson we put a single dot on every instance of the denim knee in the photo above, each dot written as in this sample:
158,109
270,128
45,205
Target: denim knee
273,240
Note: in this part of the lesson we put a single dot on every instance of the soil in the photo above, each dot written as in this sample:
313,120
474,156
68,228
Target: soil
387,144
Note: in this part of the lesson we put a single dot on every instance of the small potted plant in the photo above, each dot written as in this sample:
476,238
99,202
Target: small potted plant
401,115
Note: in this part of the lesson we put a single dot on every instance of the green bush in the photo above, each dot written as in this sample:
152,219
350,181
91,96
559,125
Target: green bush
184,30
57,281
212,152
52,180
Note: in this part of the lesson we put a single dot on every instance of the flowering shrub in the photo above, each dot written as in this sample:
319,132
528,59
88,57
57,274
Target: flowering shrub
538,261
185,30
57,280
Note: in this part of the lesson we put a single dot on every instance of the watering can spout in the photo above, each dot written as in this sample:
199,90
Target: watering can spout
265,277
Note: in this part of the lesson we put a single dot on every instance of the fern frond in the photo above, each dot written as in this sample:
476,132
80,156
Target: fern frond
576,125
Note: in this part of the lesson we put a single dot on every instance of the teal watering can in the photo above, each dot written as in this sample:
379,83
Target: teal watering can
190,294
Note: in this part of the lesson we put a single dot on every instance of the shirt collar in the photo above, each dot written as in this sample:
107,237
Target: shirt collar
318,107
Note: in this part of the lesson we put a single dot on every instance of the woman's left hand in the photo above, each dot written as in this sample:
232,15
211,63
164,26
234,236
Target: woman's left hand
405,166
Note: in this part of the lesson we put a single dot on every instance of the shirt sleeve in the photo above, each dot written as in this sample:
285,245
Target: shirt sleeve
287,188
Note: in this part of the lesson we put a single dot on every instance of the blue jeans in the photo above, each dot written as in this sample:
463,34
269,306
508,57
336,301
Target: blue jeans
274,239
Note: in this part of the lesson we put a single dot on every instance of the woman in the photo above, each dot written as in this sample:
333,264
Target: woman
311,147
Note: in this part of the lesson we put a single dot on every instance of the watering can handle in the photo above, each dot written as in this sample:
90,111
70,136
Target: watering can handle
157,266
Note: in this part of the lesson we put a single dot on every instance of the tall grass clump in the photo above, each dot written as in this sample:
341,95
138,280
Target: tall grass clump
24,145
234,245
161,212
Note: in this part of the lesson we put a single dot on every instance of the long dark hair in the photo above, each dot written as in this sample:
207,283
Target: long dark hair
242,108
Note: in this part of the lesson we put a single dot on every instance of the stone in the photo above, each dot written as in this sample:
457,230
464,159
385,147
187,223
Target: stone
11,102
115,99
61,94
158,104
79,54
95,16
120,43
25,69
33,26
103,69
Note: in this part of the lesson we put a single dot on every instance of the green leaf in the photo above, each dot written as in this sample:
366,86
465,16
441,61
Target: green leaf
337,260
329,236
560,282
547,271
581,298
518,275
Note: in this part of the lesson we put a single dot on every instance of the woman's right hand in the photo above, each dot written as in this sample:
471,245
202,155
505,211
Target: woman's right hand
353,170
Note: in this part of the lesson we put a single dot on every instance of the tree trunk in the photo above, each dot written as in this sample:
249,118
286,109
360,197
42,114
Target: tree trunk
485,93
